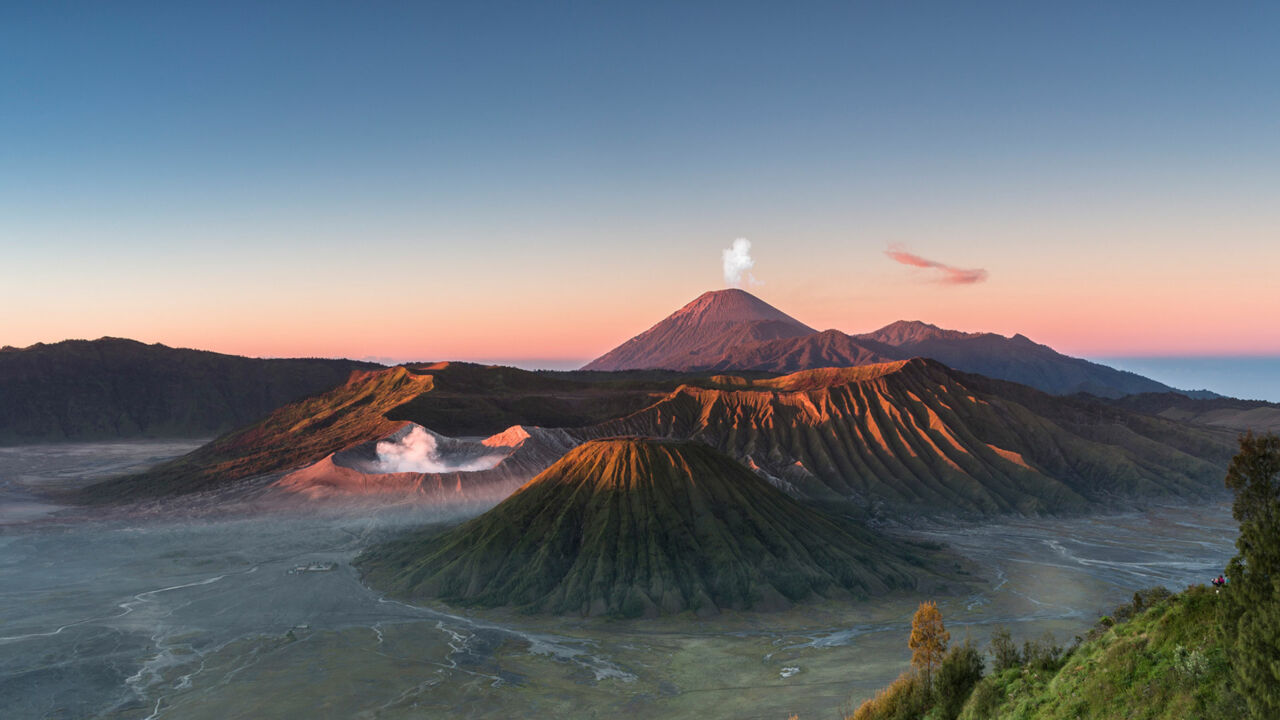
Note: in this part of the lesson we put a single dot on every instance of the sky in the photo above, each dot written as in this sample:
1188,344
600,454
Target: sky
535,183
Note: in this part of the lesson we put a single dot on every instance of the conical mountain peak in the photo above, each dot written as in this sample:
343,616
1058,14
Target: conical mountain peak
732,305
699,333
635,526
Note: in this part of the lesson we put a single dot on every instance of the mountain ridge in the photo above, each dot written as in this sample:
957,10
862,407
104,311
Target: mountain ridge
908,436
116,388
740,345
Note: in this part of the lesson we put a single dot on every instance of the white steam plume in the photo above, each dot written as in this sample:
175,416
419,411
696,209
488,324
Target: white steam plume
417,452
737,262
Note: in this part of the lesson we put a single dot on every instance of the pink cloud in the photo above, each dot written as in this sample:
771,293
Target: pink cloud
950,275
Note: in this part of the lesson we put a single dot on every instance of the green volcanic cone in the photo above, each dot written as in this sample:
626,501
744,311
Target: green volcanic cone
631,527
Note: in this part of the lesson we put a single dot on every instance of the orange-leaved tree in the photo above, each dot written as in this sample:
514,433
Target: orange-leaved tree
928,641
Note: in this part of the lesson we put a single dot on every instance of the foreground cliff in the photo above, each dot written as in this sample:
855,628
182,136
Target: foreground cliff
1164,662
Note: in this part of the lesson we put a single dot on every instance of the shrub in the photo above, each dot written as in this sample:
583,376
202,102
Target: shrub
1142,600
1191,663
1004,654
906,698
986,697
1042,654
960,670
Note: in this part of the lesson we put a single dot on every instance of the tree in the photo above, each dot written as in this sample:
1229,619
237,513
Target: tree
928,641
1249,613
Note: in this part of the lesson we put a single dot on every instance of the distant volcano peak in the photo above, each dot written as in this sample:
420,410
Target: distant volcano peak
733,305
702,330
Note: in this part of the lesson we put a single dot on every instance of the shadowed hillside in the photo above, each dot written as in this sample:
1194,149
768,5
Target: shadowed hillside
113,388
1256,415
460,398
301,432
910,435
918,434
632,527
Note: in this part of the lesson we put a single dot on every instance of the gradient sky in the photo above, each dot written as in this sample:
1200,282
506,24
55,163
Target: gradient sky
538,182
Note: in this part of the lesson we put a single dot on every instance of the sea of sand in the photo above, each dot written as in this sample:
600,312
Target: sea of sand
217,606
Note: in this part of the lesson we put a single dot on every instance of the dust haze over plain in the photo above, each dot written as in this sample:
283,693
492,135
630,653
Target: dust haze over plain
204,605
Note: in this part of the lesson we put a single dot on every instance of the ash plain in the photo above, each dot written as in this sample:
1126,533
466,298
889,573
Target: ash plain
236,604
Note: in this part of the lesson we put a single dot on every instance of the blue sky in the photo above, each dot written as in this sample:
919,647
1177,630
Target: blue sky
488,180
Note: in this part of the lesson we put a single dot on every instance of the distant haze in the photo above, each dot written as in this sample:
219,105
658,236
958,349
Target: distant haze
1251,378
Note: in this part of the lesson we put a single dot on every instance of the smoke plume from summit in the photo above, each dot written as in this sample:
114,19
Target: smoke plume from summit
737,262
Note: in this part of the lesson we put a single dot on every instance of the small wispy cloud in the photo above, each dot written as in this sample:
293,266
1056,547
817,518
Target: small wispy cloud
949,275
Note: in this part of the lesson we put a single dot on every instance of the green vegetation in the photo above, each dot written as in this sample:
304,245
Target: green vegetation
1204,653
939,681
1250,611
1159,656
632,527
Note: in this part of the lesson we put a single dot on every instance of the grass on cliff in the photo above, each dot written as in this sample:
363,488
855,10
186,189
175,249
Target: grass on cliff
1157,657
1166,661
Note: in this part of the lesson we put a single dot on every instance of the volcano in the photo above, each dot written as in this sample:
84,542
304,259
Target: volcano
732,330
698,334
640,527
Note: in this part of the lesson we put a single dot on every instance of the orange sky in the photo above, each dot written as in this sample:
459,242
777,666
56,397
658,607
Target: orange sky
1098,299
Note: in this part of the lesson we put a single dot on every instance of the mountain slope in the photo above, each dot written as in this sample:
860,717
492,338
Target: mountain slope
113,388
909,436
732,330
632,526
830,348
1256,415
701,331
918,435
305,431
451,398
1017,359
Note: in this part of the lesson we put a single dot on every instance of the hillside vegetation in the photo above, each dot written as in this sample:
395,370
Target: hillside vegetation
637,526
1205,653
1166,661
1159,657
